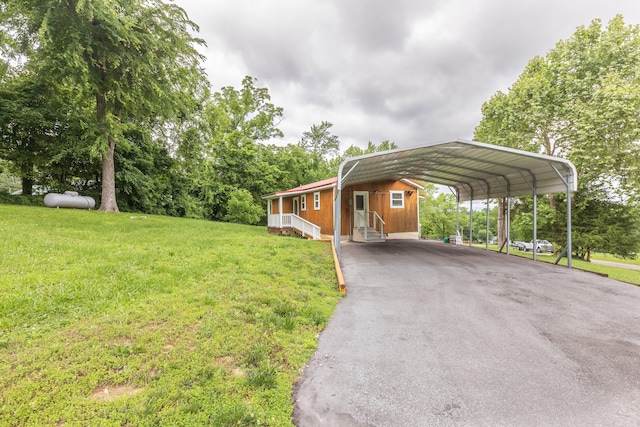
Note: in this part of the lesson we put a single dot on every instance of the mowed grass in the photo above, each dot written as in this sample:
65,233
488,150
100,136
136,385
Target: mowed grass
145,320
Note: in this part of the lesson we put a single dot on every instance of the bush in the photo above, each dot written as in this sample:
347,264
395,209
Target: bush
243,209
10,199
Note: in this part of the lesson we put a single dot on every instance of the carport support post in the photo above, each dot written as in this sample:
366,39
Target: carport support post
569,249
509,222
487,230
471,218
535,219
458,213
337,220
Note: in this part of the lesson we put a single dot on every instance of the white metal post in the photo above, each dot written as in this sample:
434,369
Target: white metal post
486,244
535,220
471,218
569,248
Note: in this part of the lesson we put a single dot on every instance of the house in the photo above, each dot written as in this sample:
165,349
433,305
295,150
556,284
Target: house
370,211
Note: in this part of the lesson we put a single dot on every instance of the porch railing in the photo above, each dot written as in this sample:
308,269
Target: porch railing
372,220
294,221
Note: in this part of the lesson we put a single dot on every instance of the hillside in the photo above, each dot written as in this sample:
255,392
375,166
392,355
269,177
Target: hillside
145,320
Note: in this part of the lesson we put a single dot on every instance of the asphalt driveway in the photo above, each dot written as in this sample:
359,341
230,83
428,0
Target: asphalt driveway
431,334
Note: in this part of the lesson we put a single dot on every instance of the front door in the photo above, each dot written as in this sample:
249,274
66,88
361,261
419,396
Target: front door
360,208
296,210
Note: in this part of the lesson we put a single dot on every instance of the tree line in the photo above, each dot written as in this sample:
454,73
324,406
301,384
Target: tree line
110,98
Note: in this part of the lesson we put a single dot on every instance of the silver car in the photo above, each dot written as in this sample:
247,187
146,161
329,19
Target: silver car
542,246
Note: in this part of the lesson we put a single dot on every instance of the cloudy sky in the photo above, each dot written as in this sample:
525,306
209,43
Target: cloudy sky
408,71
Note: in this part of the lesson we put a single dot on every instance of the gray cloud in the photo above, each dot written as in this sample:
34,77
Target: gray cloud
409,71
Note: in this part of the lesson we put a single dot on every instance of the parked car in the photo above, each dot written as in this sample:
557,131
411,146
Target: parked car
516,244
542,246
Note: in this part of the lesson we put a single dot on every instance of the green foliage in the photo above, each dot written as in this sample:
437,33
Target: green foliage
605,226
9,183
438,215
39,128
148,320
135,59
580,101
320,147
232,157
7,199
243,209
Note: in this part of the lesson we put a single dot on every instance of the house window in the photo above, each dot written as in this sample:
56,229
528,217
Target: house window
303,202
316,200
397,199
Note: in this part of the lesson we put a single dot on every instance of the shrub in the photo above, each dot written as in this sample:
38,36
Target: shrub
243,209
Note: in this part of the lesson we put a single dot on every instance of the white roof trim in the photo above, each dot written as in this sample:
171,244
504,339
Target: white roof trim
476,170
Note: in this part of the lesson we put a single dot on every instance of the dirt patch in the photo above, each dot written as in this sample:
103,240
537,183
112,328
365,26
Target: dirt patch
114,392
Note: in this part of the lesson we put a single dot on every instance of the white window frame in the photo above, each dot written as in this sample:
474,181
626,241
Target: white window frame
401,200
316,201
303,202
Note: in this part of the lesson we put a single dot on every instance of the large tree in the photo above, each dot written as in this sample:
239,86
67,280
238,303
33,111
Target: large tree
136,58
580,101
233,157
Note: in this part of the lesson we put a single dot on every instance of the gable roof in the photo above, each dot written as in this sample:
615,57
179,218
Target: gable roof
323,185
314,186
476,170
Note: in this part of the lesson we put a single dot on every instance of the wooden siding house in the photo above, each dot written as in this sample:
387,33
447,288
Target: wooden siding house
372,211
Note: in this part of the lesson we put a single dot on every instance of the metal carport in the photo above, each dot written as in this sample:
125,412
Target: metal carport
473,170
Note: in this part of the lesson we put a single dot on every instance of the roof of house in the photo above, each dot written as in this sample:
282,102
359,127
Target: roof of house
322,185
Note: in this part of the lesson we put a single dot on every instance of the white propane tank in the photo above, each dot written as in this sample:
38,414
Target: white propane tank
70,199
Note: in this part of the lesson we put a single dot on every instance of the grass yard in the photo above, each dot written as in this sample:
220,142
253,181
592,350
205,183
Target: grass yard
611,258
144,320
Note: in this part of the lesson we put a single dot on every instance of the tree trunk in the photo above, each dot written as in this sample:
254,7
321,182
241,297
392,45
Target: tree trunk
108,202
27,186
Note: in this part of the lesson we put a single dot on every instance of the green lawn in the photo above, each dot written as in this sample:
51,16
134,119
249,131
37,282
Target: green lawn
611,258
144,320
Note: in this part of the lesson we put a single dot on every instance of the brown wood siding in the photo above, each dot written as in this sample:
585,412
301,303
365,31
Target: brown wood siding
397,220
287,205
323,217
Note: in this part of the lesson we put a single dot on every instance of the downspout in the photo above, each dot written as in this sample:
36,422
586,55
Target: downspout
280,211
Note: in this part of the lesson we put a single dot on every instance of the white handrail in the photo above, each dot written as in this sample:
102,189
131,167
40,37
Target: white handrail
369,217
294,221
382,223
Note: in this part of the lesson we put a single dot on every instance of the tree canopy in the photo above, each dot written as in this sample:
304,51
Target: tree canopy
137,59
581,102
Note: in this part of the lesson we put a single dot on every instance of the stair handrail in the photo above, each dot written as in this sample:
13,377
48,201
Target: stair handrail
304,225
382,223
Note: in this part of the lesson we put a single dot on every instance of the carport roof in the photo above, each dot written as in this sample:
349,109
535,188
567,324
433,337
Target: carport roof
476,170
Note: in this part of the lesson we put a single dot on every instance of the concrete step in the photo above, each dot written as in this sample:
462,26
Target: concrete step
372,235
